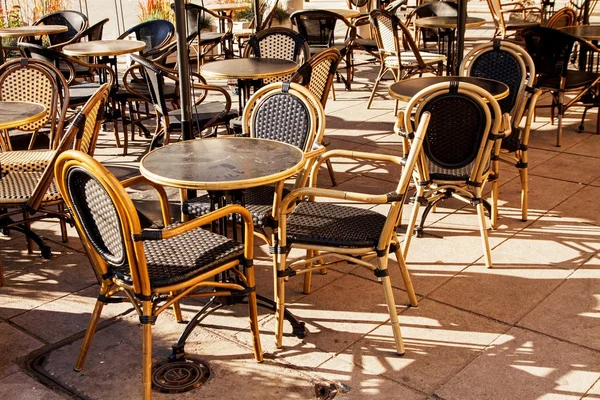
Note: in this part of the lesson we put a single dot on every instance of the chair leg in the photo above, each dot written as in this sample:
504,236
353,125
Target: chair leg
116,126
412,222
27,238
524,174
331,172
1,274
253,315
494,210
333,93
560,111
91,330
147,352
63,224
125,135
308,275
279,300
391,304
382,72
484,235
410,290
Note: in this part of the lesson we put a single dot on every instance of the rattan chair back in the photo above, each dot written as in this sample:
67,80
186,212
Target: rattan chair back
278,42
39,82
317,26
75,21
317,74
155,33
563,17
94,32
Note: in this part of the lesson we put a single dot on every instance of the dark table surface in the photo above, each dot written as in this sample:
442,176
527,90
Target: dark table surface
222,163
248,68
406,89
17,113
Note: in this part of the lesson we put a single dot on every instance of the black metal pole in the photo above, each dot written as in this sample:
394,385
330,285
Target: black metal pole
183,65
461,26
586,12
257,16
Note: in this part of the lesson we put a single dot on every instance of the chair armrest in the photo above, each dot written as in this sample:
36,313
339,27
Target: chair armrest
109,70
75,39
162,194
131,72
225,18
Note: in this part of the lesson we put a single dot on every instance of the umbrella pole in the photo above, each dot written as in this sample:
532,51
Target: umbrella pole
461,26
183,65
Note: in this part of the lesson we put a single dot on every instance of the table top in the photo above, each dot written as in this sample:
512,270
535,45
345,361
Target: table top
222,163
406,89
589,32
17,113
447,22
20,31
344,12
248,68
228,7
99,48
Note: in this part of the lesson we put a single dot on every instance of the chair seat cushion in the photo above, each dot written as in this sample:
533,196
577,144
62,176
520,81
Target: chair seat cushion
25,160
80,93
257,200
17,187
575,79
334,225
201,114
175,260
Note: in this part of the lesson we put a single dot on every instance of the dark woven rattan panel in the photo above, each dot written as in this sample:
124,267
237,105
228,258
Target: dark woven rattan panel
455,130
284,118
98,216
180,258
331,224
500,66
258,200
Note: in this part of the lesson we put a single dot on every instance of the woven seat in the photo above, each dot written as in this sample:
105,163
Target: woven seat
18,187
155,268
507,63
390,32
202,114
333,234
25,160
461,139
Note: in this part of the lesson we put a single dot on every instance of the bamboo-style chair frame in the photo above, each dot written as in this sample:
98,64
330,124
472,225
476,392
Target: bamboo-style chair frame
503,28
321,255
268,9
38,166
150,301
522,102
401,64
72,35
470,190
564,17
40,82
312,148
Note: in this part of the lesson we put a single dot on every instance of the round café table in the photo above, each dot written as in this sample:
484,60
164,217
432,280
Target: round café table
17,113
587,32
406,89
248,72
446,27
24,31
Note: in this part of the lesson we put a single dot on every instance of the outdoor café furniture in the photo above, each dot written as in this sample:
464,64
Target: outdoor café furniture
25,31
287,113
95,31
464,125
18,113
430,9
446,28
551,50
318,28
249,72
408,88
505,26
27,187
205,114
154,268
279,43
75,22
38,82
506,62
563,17
389,32
317,75
267,9
312,219
227,10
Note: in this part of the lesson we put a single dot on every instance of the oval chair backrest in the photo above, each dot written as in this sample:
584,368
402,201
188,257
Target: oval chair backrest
316,26
563,17
75,22
550,49
155,33
456,145
317,74
386,27
278,42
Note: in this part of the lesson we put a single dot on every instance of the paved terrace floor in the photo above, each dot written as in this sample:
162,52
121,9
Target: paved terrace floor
525,329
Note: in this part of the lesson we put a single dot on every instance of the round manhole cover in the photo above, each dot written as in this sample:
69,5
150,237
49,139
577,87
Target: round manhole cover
179,376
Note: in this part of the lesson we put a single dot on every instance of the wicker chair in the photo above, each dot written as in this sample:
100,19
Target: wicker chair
280,111
507,63
204,114
505,25
27,187
563,17
551,50
154,268
39,82
267,9
75,22
281,43
579,7
431,9
402,64
331,233
318,28
461,137
317,75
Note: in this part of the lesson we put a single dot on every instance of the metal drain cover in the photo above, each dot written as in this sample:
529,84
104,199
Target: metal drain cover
179,376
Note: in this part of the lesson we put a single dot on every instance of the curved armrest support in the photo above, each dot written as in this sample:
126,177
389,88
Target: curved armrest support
162,194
